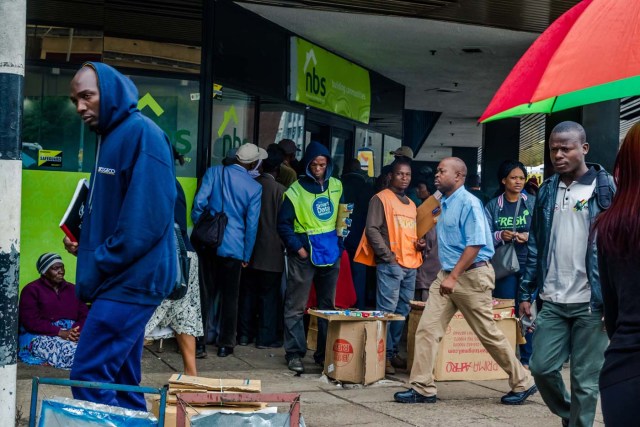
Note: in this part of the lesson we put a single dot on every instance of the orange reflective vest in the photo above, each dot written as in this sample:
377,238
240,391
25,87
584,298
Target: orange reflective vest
401,224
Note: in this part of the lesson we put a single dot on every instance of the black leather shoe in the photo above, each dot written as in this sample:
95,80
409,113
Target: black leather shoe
412,396
225,351
513,398
201,351
296,365
244,340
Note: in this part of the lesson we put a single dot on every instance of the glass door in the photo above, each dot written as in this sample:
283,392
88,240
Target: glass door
338,140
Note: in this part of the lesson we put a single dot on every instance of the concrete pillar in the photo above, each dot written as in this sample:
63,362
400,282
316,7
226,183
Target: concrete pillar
500,142
601,123
470,157
13,24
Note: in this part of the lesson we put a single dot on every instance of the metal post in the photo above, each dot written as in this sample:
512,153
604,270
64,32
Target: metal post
205,113
13,24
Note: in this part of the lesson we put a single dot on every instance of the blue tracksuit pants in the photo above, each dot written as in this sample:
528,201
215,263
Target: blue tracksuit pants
110,351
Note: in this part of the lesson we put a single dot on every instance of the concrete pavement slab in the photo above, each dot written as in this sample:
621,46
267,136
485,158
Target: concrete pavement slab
326,403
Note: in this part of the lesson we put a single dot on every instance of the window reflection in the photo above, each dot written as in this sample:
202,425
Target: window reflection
233,122
369,150
278,122
52,128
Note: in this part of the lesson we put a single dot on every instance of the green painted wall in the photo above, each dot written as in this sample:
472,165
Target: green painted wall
45,196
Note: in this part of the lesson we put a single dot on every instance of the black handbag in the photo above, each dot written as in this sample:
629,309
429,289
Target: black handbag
184,264
505,260
208,232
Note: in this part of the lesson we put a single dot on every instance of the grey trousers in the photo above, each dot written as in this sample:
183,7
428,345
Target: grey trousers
562,331
299,279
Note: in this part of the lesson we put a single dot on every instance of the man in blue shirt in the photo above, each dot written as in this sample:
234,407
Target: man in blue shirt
229,189
465,247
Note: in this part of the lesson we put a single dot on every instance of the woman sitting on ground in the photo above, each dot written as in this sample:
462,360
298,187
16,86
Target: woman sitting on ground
51,317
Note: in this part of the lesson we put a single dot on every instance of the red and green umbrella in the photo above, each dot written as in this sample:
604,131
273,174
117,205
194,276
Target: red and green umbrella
590,54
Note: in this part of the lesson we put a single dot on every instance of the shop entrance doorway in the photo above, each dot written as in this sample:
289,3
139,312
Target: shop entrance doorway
338,140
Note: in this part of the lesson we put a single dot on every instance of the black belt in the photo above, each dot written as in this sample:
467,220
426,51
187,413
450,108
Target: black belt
474,266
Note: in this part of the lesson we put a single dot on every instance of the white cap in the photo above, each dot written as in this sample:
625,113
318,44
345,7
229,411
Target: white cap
249,153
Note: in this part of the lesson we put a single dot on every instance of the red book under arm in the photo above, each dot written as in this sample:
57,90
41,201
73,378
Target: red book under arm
71,222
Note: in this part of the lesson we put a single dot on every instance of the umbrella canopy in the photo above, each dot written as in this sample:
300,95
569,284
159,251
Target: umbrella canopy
590,54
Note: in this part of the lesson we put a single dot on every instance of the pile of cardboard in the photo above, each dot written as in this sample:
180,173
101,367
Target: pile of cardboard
179,383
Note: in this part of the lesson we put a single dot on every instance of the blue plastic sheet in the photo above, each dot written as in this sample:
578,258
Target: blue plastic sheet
250,419
65,412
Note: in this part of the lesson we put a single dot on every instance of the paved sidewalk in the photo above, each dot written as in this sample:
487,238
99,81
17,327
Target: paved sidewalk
460,403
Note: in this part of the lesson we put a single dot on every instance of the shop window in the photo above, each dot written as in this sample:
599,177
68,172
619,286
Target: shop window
173,105
54,137
233,122
279,122
390,144
368,150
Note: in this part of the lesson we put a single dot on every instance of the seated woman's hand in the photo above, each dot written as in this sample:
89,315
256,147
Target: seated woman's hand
72,334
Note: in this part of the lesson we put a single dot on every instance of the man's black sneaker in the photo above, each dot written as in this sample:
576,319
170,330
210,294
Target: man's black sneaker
412,396
513,398
296,365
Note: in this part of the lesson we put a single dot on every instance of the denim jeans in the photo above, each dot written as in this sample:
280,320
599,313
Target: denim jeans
396,285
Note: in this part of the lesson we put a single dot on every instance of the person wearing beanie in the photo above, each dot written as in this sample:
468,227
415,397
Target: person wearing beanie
51,317
229,189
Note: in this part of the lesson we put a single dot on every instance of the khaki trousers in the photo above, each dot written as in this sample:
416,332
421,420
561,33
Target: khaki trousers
472,296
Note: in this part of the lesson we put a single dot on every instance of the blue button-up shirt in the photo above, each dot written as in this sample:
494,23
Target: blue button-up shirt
462,223
242,201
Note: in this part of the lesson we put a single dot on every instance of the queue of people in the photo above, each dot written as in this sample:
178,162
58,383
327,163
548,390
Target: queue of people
575,242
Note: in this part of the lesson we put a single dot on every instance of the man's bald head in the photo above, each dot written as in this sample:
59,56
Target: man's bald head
457,164
450,175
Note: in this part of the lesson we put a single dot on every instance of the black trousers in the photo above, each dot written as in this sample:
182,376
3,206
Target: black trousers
619,402
300,277
260,306
221,275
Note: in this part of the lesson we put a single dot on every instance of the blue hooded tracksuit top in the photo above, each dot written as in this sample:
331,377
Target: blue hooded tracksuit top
127,251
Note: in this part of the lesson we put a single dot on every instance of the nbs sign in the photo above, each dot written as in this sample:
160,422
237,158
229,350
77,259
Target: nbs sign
323,80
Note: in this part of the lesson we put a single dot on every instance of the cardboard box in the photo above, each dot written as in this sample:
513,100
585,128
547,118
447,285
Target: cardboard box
312,333
171,411
461,356
356,347
195,384
417,307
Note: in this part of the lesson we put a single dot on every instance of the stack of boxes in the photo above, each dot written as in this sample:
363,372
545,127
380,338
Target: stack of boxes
179,383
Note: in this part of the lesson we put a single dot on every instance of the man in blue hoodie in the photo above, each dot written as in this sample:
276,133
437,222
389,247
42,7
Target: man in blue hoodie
307,226
126,255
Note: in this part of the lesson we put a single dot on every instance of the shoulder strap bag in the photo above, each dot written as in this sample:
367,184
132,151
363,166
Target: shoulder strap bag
505,261
208,232
184,264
